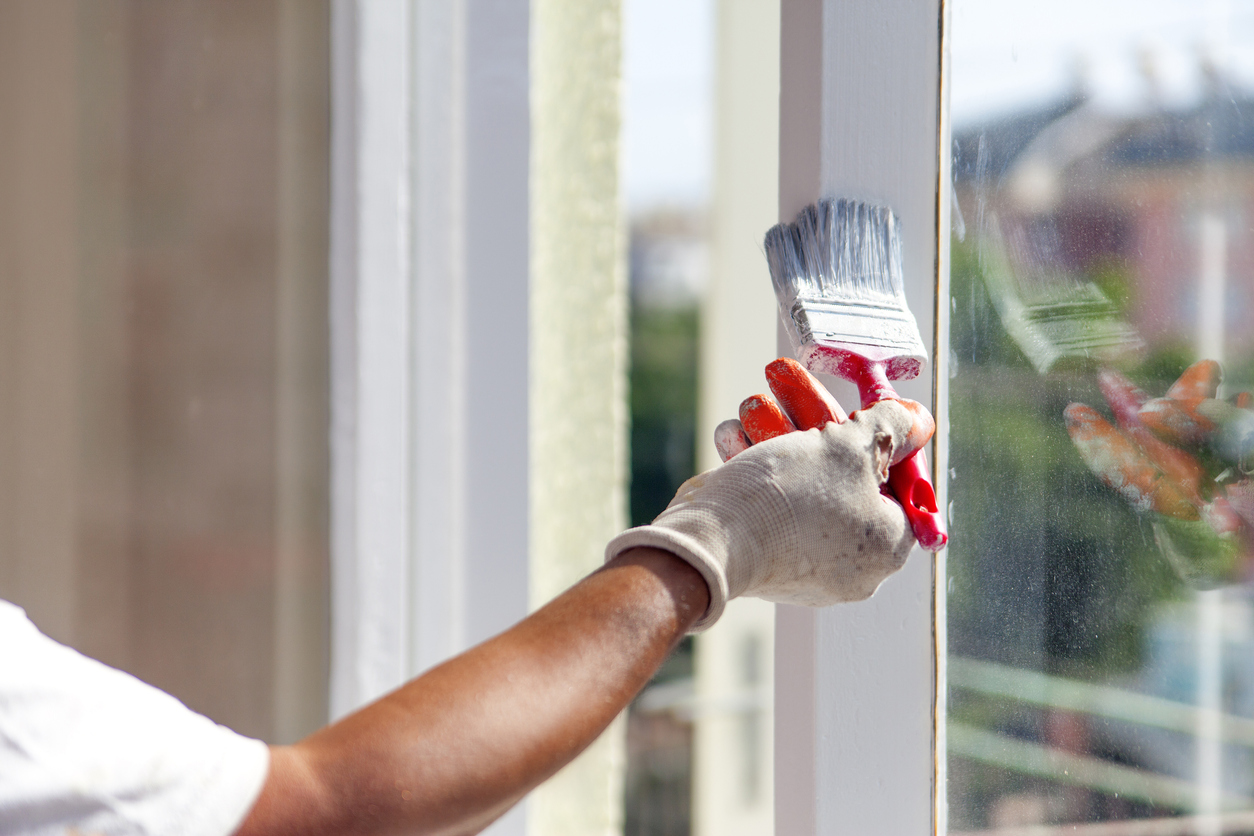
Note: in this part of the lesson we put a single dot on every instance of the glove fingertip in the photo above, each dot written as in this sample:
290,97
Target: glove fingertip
762,419
922,430
730,438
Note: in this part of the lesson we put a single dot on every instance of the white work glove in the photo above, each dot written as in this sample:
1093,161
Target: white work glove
796,519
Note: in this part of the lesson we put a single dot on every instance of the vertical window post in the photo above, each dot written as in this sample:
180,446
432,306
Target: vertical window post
429,325
478,317
860,111
429,335
370,333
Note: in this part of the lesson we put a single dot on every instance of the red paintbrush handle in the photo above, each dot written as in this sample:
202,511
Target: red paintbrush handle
909,482
869,368
908,479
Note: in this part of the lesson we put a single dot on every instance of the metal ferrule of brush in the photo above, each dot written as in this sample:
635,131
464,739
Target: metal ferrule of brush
821,327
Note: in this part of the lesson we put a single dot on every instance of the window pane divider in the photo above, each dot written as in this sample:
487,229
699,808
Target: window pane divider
856,731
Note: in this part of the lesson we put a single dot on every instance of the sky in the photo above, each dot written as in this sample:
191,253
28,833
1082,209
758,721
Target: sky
1010,53
1005,55
668,102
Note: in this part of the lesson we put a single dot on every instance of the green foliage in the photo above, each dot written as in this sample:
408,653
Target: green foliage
663,424
1113,278
976,336
1162,365
663,406
1049,569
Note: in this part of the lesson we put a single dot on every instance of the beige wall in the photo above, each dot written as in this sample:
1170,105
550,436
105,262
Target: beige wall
162,215
39,467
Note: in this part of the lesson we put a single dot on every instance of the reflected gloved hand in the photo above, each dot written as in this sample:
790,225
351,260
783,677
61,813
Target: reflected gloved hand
796,513
1185,459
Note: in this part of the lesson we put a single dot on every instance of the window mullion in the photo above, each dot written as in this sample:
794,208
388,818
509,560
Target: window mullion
855,684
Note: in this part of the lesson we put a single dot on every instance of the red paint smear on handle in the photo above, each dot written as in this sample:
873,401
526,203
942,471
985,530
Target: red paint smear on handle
870,368
911,486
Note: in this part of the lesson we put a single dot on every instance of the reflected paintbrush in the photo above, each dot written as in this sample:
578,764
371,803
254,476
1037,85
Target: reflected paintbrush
1059,321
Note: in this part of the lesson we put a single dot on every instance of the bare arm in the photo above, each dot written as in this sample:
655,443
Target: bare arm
452,750
797,518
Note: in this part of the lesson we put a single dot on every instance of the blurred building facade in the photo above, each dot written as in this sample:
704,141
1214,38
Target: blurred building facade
163,404
1152,202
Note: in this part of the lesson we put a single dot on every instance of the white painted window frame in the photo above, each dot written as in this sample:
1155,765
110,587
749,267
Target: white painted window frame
429,337
369,303
429,334
859,716
431,344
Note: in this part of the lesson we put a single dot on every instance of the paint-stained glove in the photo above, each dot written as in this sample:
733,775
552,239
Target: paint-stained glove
1185,460
798,518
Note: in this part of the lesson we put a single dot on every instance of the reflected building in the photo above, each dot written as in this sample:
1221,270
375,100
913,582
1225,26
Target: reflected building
1150,203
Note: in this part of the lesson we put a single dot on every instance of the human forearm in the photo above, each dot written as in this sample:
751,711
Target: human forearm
798,517
453,749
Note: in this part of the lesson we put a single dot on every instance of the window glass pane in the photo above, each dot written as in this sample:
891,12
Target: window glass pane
163,466
1101,623
667,104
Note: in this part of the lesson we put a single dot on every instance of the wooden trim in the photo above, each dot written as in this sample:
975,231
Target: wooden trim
855,684
370,324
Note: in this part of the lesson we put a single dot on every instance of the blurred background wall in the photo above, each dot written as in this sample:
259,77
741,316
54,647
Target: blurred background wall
163,386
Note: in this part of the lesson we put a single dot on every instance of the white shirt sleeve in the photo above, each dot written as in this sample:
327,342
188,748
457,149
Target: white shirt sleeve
88,749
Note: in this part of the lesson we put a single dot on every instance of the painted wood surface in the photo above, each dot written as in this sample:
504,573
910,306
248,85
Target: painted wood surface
859,118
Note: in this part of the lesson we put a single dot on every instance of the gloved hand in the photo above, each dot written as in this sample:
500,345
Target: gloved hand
1184,459
794,516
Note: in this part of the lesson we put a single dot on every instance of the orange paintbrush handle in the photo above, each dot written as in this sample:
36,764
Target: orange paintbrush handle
762,419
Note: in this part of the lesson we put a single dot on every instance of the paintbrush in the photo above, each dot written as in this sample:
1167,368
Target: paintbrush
838,278
1059,320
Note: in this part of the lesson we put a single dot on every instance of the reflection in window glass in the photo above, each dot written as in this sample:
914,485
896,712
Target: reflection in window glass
1101,622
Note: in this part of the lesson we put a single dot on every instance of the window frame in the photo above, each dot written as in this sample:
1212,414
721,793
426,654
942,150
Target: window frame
429,280
449,239
429,217
859,705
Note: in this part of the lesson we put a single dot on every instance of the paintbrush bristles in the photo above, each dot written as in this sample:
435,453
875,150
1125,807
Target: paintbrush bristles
837,272
839,250
862,248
